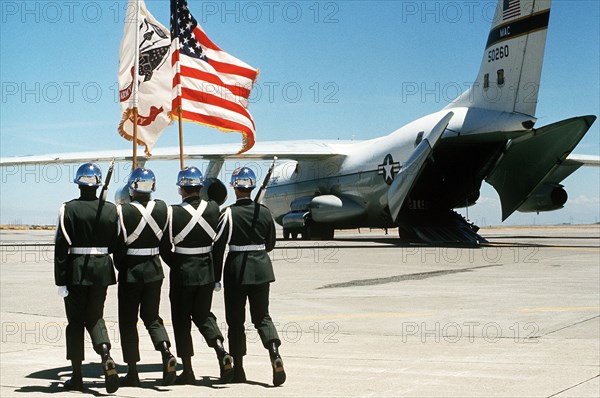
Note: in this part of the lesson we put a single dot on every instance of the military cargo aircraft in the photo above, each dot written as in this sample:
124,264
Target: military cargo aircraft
416,176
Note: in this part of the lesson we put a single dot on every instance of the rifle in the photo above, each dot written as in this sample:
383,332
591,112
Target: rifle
101,202
104,191
260,195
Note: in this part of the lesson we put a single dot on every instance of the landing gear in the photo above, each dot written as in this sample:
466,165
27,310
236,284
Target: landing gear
310,231
328,233
291,233
307,232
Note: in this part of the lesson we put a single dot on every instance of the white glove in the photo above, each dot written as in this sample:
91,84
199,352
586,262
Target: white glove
217,287
62,291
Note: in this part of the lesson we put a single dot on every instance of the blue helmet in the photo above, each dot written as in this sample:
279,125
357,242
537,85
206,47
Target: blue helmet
88,175
142,180
190,177
243,177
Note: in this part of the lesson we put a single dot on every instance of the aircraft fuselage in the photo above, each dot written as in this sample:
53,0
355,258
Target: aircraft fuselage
363,172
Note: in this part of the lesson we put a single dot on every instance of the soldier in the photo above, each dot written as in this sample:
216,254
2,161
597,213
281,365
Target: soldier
142,224
187,250
85,235
248,228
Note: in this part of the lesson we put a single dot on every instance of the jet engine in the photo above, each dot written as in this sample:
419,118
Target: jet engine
214,189
315,217
546,198
334,209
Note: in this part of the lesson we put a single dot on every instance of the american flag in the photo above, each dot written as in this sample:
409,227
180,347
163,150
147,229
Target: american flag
510,9
210,86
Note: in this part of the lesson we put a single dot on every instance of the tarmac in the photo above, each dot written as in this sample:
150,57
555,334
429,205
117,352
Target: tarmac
362,315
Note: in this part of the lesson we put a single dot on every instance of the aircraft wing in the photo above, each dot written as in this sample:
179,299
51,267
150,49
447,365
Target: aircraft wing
582,160
570,165
297,150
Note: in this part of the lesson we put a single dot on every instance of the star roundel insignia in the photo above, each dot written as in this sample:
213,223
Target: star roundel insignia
388,169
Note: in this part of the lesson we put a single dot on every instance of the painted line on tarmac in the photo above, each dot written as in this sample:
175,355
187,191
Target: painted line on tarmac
558,309
356,316
536,246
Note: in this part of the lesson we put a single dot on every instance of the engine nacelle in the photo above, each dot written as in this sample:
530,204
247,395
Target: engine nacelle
546,198
301,204
214,189
294,220
334,209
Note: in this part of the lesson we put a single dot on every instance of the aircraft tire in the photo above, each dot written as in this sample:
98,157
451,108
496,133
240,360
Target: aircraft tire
327,233
307,232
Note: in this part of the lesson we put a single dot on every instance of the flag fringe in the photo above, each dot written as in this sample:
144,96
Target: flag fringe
126,135
247,143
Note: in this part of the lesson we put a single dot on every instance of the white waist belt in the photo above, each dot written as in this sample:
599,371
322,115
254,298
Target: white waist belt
143,252
193,250
88,250
247,248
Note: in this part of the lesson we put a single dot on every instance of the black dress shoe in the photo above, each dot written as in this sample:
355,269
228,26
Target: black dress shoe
130,380
74,384
239,376
226,368
111,377
186,377
169,366
278,371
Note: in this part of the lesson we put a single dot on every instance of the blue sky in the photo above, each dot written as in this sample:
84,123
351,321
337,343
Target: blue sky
329,69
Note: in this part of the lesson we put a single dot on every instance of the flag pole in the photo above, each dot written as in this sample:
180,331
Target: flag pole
135,125
180,137
136,66
175,29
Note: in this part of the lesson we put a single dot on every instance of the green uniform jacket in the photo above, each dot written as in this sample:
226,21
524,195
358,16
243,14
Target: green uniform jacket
140,269
252,225
77,227
195,269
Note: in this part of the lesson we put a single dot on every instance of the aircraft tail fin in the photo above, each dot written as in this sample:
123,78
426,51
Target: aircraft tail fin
509,76
525,182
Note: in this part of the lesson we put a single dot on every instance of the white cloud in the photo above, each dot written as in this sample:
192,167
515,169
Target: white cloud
584,200
488,201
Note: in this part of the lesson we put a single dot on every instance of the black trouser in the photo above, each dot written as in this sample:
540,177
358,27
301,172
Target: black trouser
235,312
85,308
145,299
193,303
